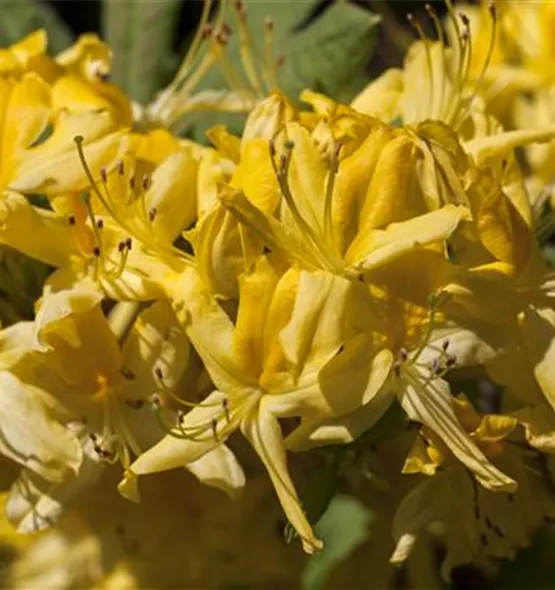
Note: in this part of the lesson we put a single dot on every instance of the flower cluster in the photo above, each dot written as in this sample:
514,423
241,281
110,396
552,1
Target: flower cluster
290,286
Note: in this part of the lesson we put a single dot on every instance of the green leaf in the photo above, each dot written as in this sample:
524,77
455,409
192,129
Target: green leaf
343,528
140,34
327,52
21,17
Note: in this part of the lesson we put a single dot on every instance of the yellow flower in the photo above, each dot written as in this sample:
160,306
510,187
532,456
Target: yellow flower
339,214
80,81
265,367
476,523
31,164
404,341
95,391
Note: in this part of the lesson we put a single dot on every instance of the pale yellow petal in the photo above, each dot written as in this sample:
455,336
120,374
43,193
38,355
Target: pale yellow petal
263,432
47,448
220,469
432,406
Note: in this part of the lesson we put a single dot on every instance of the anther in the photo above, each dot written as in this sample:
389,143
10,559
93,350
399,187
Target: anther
397,368
128,243
103,175
152,212
403,355
71,220
159,374
445,345
136,404
214,424
269,24
180,416
225,405
227,30
99,223
156,401
127,373
451,360
492,10
145,181
96,251
435,366
207,31
101,74
465,20
272,146
121,246
119,167
132,182
289,145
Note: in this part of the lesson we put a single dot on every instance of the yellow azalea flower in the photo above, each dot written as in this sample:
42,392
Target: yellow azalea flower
437,82
264,367
152,201
476,523
49,166
82,248
78,76
97,394
414,345
319,225
80,82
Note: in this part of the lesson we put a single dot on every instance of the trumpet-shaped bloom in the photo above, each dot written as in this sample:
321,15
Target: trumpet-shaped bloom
289,325
96,393
477,522
414,347
347,215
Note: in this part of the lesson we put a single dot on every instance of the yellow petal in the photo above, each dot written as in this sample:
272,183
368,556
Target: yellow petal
277,235
381,96
255,175
391,196
432,406
48,448
54,166
377,247
499,145
263,432
36,232
174,451
209,329
268,117
27,114
256,289
172,194
307,176
220,469
316,329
